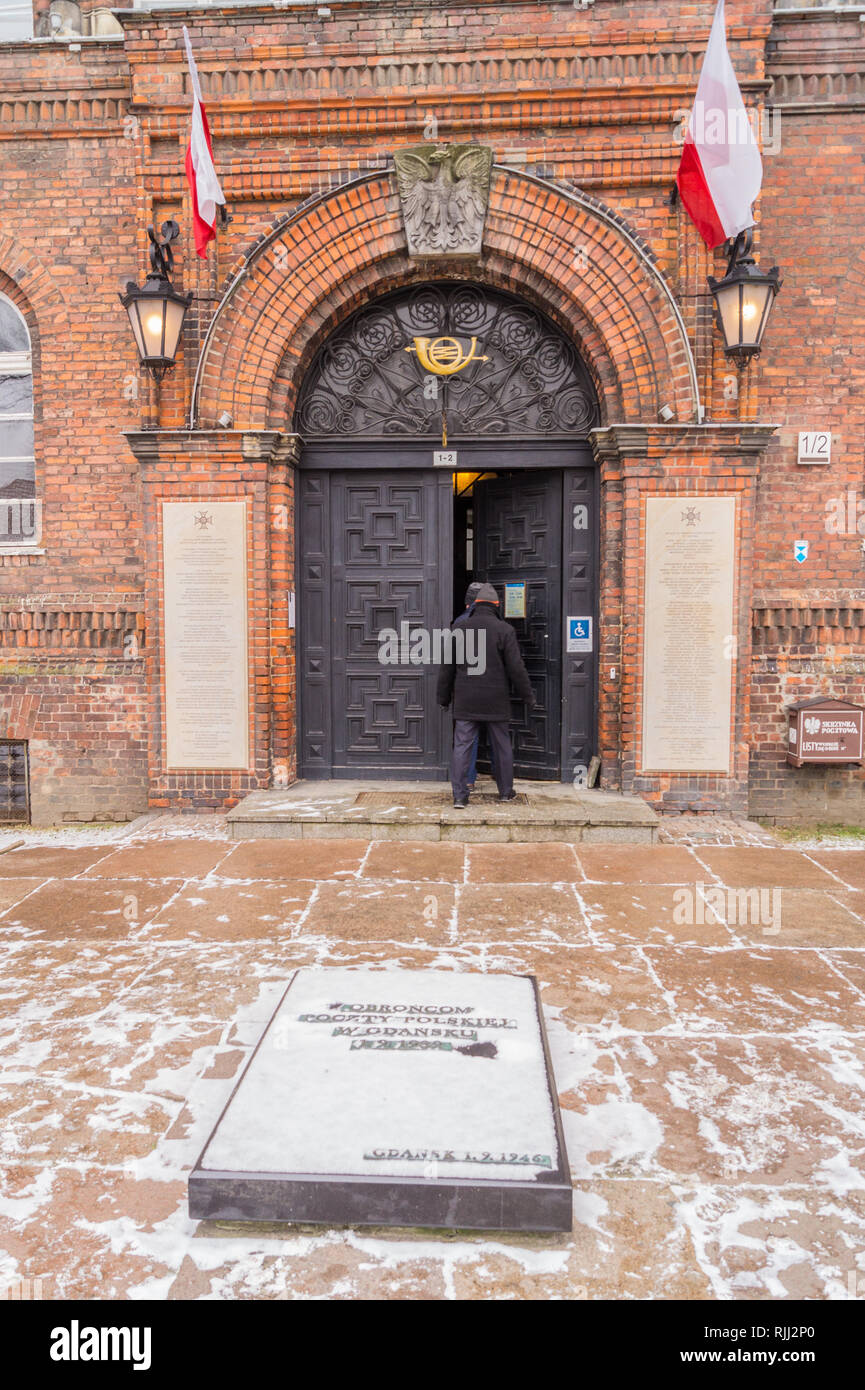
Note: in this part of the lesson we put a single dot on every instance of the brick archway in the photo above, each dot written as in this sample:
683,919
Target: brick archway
566,251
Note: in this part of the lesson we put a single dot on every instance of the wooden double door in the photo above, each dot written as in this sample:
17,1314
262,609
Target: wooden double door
375,554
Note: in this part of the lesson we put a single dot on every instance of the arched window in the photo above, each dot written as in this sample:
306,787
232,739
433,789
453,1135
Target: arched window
17,466
527,379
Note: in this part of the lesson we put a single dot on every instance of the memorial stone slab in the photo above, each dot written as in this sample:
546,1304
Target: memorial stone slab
688,644
394,1098
205,634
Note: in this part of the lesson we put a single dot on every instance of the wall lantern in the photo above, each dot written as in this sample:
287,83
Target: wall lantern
156,310
743,300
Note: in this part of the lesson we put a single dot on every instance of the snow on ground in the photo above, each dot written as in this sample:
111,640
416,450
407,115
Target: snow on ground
711,1078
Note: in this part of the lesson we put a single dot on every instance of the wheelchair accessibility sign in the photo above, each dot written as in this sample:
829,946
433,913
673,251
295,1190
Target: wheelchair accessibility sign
579,635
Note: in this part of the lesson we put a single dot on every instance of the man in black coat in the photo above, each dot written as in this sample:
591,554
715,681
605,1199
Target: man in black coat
471,594
482,695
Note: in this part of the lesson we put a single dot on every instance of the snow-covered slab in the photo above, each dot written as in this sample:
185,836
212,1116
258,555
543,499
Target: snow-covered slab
394,1098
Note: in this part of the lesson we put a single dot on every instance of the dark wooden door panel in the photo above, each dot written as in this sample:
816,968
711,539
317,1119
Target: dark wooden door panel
386,541
518,531
580,532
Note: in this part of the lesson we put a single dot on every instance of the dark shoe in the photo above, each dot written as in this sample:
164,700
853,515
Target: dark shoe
511,796
461,804
471,786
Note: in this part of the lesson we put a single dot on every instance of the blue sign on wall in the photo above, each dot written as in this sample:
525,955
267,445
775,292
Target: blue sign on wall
579,635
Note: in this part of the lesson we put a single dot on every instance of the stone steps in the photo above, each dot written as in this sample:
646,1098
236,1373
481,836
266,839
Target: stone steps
349,810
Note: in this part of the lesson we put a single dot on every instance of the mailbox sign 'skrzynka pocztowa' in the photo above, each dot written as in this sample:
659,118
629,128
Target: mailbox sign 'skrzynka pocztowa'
824,731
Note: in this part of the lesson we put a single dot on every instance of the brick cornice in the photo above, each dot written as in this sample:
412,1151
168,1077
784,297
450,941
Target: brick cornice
794,623
816,59
51,626
612,443
615,442
215,445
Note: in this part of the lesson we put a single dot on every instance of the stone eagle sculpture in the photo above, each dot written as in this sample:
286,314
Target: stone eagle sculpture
444,193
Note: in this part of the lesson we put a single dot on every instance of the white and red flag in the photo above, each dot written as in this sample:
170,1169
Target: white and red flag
720,171
200,171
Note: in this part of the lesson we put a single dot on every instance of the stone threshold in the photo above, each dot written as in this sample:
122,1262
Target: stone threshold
376,810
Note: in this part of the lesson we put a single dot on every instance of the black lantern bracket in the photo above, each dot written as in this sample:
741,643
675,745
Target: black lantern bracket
156,309
161,254
743,299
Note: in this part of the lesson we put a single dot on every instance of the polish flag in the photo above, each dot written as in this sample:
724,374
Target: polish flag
720,171
203,182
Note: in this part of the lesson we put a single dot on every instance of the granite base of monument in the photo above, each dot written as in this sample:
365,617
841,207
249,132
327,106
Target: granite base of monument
394,1098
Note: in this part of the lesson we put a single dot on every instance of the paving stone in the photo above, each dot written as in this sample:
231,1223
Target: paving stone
89,1233
757,990
368,1265
413,862
801,917
296,859
58,978
740,1110
51,861
748,867
73,1123
12,890
180,858
847,865
621,864
88,908
552,863
374,911
793,1244
213,980
642,913
852,966
499,912
231,912
600,989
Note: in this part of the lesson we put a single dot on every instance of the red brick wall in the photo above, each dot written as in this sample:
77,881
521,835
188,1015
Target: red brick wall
810,618
91,148
72,684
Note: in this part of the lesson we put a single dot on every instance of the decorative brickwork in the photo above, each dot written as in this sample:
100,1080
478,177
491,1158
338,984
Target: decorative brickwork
581,108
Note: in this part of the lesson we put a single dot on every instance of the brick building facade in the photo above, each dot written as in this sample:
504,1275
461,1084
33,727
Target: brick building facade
581,105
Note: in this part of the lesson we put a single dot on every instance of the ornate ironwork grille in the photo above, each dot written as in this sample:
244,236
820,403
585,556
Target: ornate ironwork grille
14,783
364,383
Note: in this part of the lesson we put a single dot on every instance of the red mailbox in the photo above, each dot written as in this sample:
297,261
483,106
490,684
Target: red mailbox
824,731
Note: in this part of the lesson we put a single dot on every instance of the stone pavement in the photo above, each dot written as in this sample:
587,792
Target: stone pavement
708,1046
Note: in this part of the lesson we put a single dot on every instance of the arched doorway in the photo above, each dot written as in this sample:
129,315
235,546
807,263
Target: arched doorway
391,526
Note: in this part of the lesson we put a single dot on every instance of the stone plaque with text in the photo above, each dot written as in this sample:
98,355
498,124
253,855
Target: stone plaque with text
397,1098
205,634
689,634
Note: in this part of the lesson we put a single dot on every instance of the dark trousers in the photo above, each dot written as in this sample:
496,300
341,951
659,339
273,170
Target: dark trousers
473,765
465,734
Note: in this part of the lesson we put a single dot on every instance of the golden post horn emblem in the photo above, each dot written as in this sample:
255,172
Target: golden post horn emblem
444,356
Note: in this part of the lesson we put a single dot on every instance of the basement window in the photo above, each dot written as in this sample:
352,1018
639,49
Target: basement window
14,782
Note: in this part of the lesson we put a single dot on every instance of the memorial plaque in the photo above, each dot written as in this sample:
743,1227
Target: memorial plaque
204,607
689,634
394,1098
